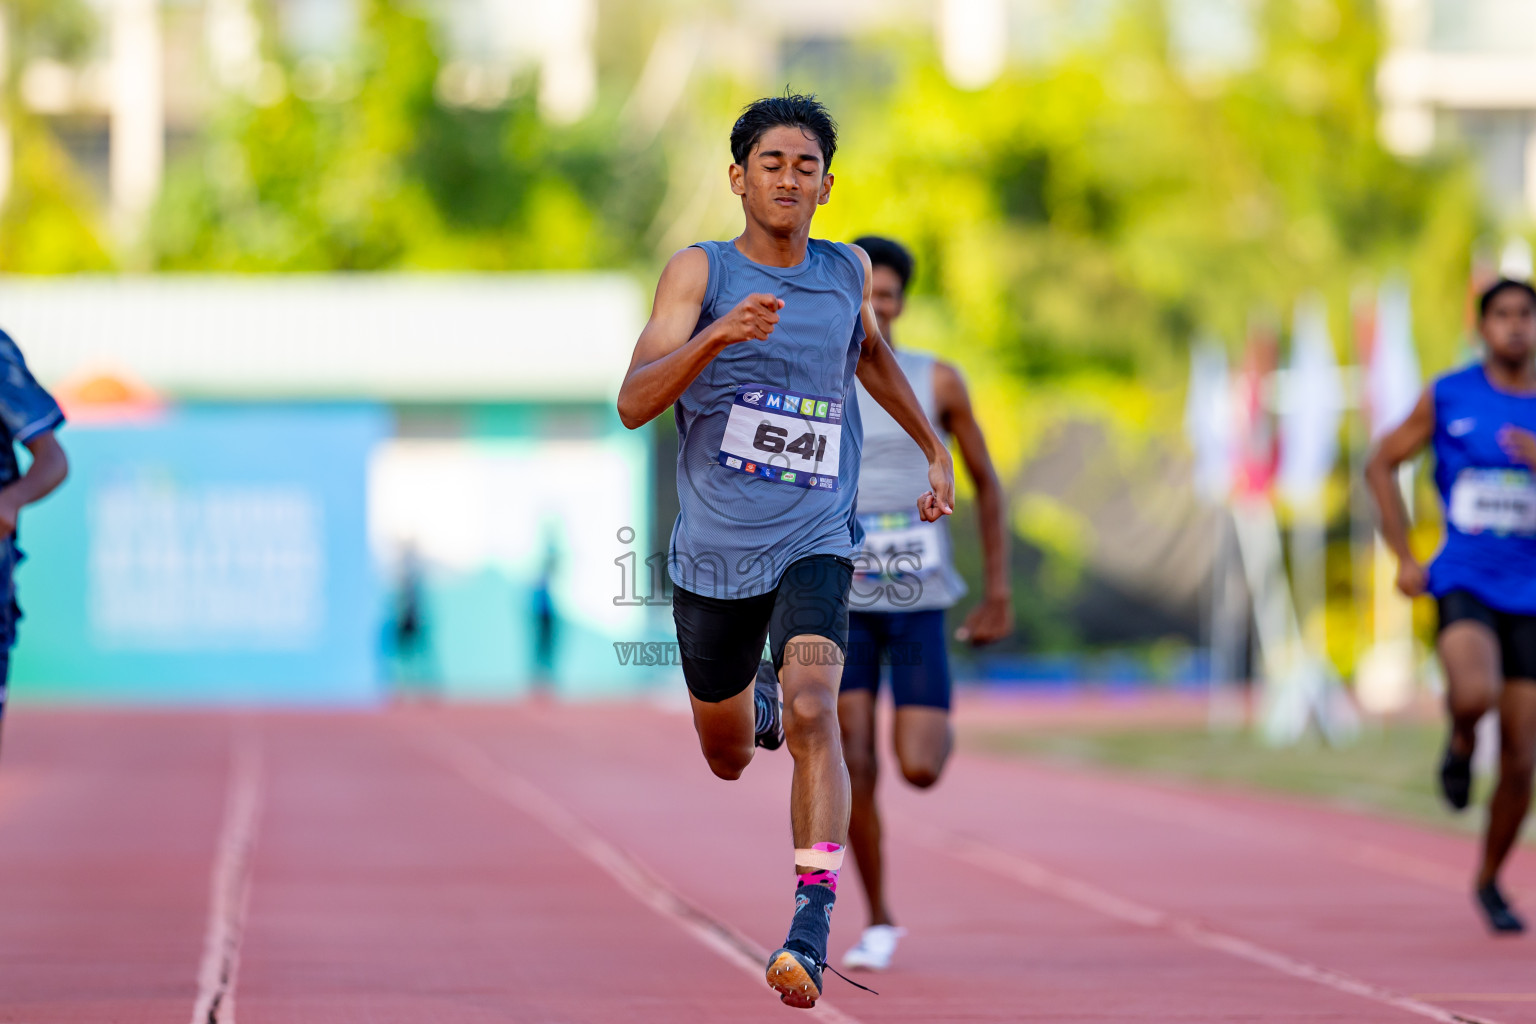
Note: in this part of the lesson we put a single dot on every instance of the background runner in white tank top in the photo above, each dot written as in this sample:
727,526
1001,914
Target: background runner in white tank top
905,564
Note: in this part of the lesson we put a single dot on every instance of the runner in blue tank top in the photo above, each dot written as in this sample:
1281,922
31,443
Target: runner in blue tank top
754,344
1481,424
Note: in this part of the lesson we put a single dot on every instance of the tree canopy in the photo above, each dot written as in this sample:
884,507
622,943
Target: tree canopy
1088,213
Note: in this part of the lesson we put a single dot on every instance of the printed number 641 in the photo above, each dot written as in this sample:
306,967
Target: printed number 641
809,446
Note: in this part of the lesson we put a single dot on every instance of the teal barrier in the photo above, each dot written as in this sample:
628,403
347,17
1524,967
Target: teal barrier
212,555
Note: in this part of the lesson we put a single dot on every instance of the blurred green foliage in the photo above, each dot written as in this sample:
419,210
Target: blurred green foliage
382,174
59,29
1094,213
50,222
1088,213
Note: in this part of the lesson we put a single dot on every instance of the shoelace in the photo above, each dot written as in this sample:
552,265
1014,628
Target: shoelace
828,967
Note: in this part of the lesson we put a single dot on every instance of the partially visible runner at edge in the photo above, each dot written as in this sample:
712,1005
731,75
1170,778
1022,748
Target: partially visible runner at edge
29,417
755,343
1481,424
904,579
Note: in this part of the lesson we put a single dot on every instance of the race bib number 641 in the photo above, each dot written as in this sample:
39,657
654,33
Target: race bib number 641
789,437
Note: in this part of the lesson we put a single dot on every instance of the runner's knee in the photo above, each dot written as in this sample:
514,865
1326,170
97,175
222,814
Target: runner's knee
729,762
728,755
1471,704
924,771
923,743
811,713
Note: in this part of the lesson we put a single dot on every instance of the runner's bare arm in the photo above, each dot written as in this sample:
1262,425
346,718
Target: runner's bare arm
992,619
1396,447
669,355
49,468
1519,444
882,378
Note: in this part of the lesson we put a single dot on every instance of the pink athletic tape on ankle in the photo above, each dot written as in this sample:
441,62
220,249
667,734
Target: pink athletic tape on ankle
824,860
821,857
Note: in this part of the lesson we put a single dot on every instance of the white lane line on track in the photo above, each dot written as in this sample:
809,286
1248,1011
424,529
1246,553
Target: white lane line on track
230,887
1194,809
482,770
1085,894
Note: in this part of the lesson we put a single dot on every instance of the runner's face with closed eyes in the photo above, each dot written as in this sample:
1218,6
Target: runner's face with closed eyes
783,181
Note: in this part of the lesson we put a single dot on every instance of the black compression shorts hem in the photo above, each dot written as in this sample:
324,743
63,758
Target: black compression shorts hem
1515,633
721,640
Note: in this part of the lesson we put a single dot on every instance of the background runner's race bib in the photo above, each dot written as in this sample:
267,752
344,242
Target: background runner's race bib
786,436
1493,500
899,544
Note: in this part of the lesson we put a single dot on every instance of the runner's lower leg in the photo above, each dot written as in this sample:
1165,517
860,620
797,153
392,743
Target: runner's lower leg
856,716
819,793
1517,758
1471,655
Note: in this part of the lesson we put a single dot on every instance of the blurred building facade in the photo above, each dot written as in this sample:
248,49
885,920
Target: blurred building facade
262,465
1465,71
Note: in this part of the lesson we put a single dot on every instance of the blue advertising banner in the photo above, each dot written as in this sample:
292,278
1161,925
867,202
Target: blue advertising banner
212,554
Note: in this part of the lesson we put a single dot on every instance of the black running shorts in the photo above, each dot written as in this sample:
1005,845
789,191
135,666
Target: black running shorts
1516,633
721,641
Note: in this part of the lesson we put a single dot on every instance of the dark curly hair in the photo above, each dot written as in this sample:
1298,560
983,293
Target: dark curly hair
790,110
886,252
1498,288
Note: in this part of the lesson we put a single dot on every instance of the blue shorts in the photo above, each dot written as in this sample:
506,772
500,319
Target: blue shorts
912,644
10,612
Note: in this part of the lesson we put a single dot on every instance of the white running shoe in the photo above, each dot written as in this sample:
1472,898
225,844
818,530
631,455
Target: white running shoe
876,947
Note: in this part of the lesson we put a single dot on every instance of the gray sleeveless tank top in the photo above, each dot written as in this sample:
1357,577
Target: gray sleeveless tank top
906,565
769,434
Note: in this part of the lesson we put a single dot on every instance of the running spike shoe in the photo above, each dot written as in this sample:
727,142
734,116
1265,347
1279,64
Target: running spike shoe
1501,917
795,977
769,709
1456,778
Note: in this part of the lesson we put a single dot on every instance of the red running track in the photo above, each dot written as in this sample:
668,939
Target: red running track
557,864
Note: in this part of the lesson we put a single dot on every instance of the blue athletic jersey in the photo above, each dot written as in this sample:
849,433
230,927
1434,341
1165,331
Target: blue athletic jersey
769,433
1489,499
26,410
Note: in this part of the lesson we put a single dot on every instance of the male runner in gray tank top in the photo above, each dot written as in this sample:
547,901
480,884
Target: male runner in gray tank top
904,579
754,343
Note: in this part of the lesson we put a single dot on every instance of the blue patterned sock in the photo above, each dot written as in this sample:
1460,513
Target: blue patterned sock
812,923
